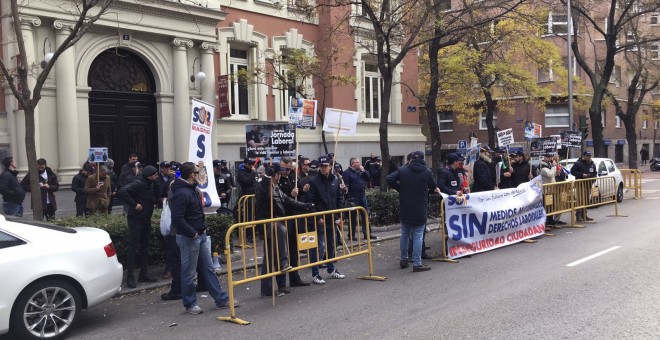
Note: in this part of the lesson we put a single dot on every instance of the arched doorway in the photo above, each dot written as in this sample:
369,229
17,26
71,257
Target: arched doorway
122,107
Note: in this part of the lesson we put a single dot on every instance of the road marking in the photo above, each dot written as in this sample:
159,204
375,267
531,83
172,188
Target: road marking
590,257
652,198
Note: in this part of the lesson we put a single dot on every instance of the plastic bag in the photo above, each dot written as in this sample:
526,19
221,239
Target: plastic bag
165,219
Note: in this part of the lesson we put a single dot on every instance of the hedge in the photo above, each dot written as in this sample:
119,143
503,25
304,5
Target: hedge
117,227
384,207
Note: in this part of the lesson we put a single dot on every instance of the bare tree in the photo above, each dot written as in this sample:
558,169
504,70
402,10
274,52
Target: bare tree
603,30
85,12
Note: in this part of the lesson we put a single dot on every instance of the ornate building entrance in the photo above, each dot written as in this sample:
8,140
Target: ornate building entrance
122,107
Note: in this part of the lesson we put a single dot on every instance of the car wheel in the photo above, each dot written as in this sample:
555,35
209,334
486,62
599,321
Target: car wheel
45,310
619,194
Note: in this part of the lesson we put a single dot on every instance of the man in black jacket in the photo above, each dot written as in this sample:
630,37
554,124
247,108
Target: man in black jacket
582,169
280,202
78,186
449,181
138,196
224,182
483,179
189,222
414,182
325,193
12,192
48,184
357,180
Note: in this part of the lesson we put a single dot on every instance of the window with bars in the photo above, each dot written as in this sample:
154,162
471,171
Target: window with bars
373,91
557,24
654,19
239,93
654,51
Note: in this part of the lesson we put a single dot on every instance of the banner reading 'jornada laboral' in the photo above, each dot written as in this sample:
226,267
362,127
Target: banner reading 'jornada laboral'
199,149
484,221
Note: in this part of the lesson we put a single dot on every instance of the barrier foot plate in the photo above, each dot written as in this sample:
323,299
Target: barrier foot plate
548,234
444,259
530,241
234,320
617,215
372,278
575,226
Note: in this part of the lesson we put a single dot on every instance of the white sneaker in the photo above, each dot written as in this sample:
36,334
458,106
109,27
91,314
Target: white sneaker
318,280
336,275
194,310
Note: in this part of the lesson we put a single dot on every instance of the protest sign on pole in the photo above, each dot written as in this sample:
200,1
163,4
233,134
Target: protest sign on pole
270,141
479,222
341,122
199,149
529,130
302,113
98,155
505,137
572,139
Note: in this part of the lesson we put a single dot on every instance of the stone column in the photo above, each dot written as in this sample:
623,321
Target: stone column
27,24
67,110
208,86
182,108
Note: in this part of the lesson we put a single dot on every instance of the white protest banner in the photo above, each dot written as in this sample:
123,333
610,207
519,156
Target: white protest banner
98,155
302,113
340,120
484,221
505,137
199,149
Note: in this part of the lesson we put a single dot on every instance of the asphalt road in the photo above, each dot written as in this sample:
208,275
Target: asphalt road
525,291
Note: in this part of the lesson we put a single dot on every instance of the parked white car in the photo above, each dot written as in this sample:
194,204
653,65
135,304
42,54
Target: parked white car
604,167
50,273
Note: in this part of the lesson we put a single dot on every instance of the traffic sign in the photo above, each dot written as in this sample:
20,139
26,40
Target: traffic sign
462,144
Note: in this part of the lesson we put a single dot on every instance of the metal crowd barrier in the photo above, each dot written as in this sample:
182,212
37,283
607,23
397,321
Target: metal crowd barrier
245,213
310,233
632,179
559,198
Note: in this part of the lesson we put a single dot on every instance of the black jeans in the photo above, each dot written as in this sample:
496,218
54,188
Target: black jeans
139,234
49,212
81,209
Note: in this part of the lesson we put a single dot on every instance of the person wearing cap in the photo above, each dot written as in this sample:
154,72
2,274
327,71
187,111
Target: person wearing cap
138,196
165,176
357,180
582,169
449,181
414,182
521,169
326,194
483,179
281,204
78,186
224,182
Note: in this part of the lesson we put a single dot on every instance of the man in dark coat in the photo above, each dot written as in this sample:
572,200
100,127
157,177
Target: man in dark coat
357,180
521,170
11,190
224,182
326,194
78,186
138,196
48,184
414,182
582,169
165,176
449,182
483,179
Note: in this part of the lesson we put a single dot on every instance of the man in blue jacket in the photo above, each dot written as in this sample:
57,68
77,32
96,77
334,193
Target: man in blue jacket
414,182
357,180
138,196
189,223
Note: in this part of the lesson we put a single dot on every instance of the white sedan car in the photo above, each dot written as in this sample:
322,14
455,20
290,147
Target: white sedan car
604,167
49,274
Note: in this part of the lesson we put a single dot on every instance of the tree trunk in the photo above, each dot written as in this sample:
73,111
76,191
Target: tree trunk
37,208
490,110
631,136
431,97
595,122
382,129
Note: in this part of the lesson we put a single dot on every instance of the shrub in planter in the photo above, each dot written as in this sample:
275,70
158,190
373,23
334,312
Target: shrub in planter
383,207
